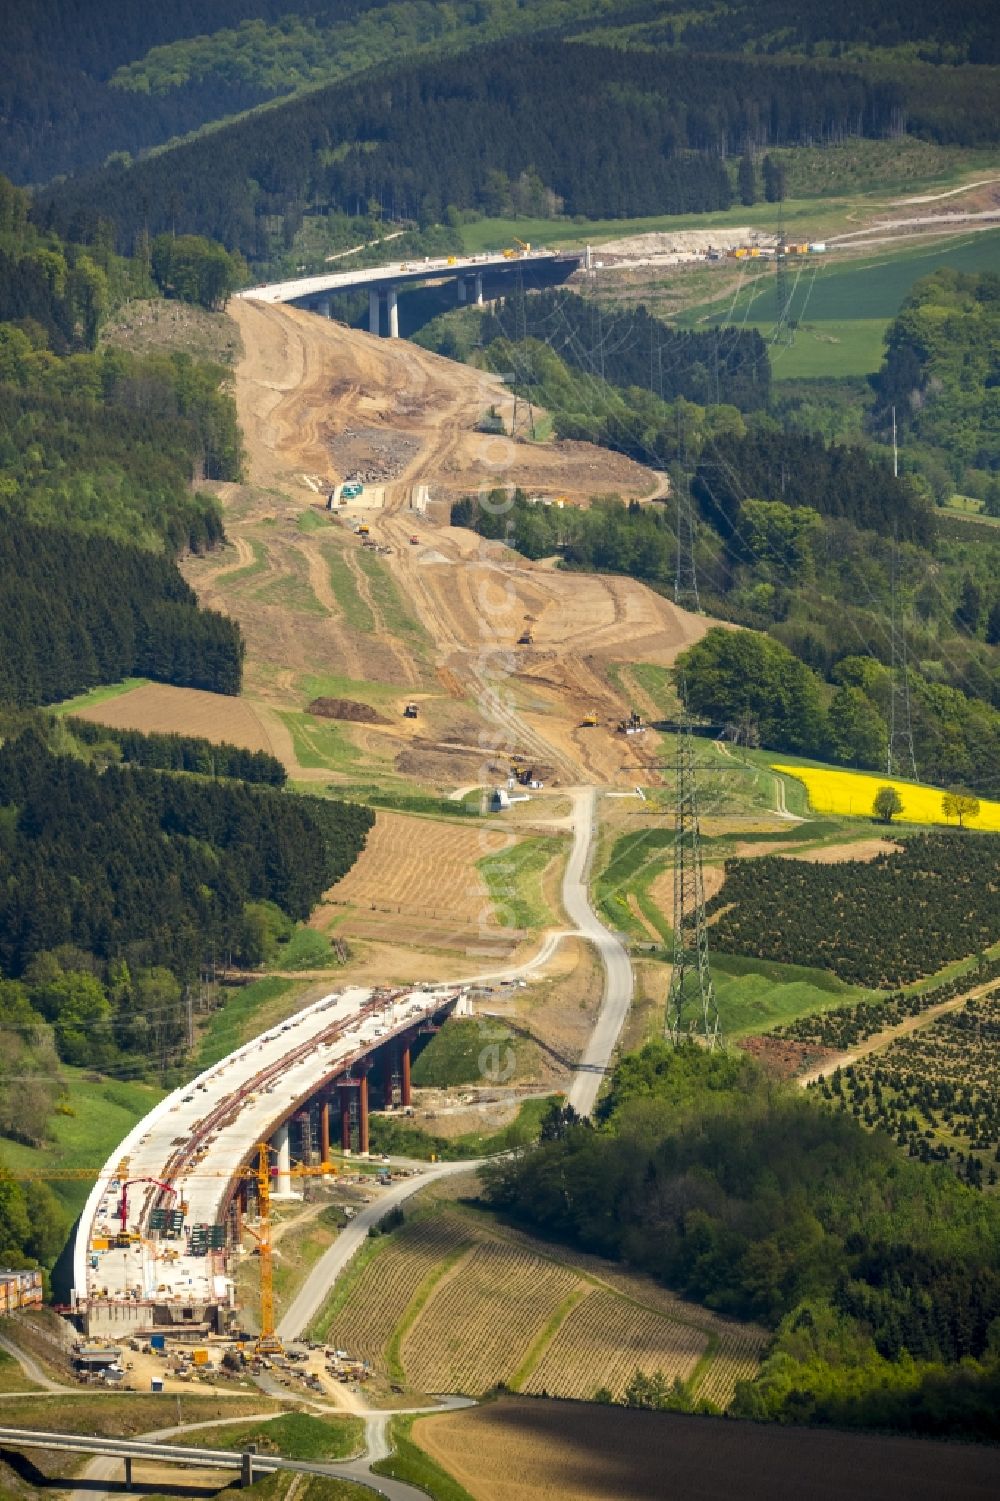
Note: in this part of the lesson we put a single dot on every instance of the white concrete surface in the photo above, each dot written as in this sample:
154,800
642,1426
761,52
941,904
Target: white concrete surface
396,273
197,1138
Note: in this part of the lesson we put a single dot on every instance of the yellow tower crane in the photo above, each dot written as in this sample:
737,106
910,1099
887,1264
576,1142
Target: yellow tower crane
260,1172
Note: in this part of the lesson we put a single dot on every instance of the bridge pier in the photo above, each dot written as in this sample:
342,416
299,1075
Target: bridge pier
461,290
324,1130
390,298
479,289
128,1472
374,318
405,1092
363,1111
323,307
283,1182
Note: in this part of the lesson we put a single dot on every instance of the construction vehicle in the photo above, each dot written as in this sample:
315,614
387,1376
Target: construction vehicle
411,711
589,721
514,254
525,638
414,541
453,260
362,529
633,725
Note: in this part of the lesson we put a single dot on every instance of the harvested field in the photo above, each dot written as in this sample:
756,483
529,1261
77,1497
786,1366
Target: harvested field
604,1341
531,1450
456,1301
158,708
416,866
381,1294
479,1324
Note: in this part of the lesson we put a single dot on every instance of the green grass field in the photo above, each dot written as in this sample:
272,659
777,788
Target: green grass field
321,743
96,1113
296,1435
513,879
356,611
754,995
97,696
842,306
245,1013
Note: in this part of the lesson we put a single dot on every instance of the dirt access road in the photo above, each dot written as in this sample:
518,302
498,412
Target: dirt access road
303,380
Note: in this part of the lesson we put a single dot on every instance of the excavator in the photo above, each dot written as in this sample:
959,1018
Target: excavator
512,254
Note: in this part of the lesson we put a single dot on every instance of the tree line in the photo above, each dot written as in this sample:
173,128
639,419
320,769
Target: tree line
127,863
178,753
877,1274
628,347
77,610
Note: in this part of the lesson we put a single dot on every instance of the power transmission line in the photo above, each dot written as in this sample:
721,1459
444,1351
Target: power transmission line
691,1005
900,757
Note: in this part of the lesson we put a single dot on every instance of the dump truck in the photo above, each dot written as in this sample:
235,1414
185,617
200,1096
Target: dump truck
633,725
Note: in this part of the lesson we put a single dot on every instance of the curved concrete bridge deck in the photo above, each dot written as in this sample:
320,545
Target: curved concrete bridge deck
198,1139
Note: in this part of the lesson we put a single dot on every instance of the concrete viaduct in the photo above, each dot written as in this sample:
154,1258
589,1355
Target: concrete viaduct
306,1084
476,279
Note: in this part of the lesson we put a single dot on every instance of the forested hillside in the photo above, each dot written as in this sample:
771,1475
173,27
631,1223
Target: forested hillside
658,129
128,869
877,1274
941,374
82,84
77,610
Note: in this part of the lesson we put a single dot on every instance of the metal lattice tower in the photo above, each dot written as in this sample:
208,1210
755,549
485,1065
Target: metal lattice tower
900,756
691,1006
686,580
783,332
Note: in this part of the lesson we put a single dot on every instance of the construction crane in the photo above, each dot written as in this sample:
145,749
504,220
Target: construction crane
259,1172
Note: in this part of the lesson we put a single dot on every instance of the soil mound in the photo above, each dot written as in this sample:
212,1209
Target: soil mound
346,708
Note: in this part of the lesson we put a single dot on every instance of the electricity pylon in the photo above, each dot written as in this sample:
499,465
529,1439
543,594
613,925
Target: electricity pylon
686,578
900,757
691,1006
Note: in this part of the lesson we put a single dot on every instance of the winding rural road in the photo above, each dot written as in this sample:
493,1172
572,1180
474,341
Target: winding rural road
590,1070
617,967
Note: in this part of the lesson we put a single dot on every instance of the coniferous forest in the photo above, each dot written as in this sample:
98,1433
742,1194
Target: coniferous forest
77,610
658,127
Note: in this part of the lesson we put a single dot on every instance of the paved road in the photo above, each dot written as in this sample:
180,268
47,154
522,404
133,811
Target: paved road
107,1470
316,1288
33,1370
617,966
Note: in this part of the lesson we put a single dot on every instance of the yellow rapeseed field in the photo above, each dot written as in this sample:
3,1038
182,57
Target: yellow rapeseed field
853,792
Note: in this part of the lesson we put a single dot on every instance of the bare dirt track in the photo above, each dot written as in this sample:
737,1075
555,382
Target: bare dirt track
520,1450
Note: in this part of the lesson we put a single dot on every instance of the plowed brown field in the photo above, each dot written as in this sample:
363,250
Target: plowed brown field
518,1450
157,708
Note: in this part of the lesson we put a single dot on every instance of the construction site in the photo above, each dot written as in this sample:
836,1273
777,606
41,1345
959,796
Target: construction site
162,1229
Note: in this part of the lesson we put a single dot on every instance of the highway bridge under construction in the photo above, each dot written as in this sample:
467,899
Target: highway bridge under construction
157,1240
